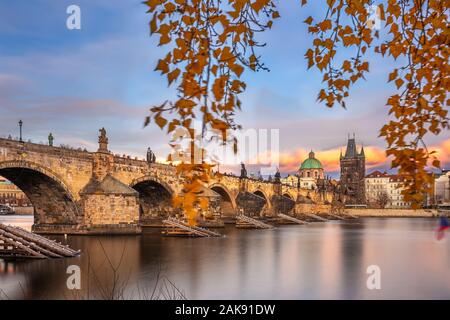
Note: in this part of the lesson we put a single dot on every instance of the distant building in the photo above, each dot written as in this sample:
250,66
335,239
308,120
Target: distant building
11,195
385,190
291,180
310,172
353,172
376,185
442,187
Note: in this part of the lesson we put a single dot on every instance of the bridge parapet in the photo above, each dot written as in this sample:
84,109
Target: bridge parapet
10,146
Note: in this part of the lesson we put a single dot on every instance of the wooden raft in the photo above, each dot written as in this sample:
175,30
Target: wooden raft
291,219
16,242
176,227
314,216
336,216
246,222
348,215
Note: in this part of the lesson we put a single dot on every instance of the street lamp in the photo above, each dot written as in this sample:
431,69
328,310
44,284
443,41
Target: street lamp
20,127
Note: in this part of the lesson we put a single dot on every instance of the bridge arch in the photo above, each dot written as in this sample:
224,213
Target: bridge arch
263,195
288,195
155,198
53,201
227,203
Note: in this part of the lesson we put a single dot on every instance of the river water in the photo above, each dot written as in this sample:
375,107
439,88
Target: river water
318,261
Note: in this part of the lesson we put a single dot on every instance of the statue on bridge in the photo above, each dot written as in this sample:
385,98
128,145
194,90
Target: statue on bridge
102,141
278,176
243,171
260,177
151,158
50,139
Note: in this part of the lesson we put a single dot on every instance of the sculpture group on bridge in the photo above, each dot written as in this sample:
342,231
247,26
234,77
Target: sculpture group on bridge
151,158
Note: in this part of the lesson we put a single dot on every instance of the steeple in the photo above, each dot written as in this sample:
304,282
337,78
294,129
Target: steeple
351,152
361,154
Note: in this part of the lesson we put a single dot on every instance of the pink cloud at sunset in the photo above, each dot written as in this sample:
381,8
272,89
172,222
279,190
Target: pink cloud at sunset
375,157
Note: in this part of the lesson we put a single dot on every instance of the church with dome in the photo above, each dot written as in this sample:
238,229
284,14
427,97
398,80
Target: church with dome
310,172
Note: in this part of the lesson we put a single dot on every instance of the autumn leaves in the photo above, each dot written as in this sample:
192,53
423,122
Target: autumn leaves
417,36
210,44
345,25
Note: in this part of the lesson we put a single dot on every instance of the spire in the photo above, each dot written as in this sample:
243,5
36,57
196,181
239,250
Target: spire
311,155
361,154
277,176
351,152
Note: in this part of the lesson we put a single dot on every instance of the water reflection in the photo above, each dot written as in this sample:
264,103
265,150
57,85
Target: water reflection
318,261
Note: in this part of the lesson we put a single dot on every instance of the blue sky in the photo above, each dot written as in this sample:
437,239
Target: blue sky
72,82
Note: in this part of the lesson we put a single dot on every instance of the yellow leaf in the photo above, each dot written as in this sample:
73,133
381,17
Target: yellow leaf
393,75
162,66
399,82
160,121
173,75
308,20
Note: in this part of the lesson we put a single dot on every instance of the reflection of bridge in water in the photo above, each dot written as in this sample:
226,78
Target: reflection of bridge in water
75,191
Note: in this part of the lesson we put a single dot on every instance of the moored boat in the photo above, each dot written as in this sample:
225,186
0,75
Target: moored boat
6,210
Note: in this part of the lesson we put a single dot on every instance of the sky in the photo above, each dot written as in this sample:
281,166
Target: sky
73,82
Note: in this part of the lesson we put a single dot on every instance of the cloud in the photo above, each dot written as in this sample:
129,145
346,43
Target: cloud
290,162
375,158
443,153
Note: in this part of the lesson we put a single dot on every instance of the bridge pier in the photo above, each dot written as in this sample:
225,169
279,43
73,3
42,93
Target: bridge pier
109,206
106,205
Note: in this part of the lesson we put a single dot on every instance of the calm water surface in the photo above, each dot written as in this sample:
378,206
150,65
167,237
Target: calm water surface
318,261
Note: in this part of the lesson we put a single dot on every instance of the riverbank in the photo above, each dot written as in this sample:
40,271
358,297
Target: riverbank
23,211
407,213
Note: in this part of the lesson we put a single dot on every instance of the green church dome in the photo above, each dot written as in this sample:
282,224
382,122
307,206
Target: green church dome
311,163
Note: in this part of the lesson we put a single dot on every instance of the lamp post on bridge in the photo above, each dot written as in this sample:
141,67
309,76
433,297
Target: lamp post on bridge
20,128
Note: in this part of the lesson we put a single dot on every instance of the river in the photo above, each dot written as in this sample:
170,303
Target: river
317,261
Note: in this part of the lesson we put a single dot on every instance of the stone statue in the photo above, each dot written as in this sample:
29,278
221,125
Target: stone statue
50,139
243,171
260,177
151,158
102,137
102,141
277,176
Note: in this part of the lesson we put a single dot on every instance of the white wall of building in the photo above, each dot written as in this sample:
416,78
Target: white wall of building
391,185
441,188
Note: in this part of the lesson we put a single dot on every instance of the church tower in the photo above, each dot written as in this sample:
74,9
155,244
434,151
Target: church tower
353,171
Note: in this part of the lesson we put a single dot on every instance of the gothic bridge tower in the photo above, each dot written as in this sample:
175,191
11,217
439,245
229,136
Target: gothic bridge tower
353,171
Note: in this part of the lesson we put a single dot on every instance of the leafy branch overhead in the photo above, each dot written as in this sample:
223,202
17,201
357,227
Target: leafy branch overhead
211,42
416,35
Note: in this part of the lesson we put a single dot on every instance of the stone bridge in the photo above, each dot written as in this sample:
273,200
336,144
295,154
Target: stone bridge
75,191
